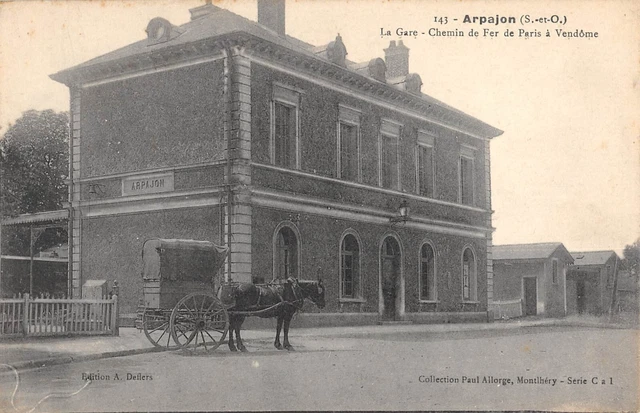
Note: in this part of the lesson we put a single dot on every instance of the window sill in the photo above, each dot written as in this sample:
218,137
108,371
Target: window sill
352,300
471,302
429,301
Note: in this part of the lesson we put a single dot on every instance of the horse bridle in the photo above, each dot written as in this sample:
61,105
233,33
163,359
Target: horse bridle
299,300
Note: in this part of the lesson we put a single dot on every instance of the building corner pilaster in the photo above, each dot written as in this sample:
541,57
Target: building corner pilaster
239,209
75,219
488,224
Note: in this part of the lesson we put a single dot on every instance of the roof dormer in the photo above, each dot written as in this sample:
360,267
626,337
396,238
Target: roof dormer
160,30
377,69
413,84
337,51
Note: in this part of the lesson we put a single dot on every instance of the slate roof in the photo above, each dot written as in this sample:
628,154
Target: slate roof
215,24
537,251
219,23
592,257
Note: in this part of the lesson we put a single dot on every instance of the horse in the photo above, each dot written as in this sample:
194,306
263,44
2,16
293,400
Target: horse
269,301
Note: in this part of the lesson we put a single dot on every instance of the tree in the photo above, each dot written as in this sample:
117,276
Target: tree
34,159
631,258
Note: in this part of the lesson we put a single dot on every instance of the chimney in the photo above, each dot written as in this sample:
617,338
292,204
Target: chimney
397,59
203,10
271,15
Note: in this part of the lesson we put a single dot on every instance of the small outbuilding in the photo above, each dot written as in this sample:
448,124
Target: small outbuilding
530,279
627,294
591,282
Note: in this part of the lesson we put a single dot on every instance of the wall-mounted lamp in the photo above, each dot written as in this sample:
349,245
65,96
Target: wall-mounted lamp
403,213
96,189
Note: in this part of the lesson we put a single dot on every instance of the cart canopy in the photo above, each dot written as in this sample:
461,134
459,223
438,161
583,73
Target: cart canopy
181,260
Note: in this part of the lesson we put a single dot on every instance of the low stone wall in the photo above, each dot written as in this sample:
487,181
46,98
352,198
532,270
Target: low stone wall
503,310
308,320
445,318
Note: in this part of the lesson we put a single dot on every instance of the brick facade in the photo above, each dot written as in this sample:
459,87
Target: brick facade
201,116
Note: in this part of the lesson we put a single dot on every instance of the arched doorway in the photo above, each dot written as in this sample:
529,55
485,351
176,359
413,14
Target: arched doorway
391,285
286,252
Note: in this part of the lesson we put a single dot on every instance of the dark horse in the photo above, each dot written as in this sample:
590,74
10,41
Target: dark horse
269,301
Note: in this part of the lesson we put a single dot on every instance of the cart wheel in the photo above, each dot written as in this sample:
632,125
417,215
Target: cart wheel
199,320
156,327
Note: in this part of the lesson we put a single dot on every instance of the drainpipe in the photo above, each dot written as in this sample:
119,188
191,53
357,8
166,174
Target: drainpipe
228,69
70,187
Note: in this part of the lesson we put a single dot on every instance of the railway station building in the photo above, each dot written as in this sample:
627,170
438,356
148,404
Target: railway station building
302,162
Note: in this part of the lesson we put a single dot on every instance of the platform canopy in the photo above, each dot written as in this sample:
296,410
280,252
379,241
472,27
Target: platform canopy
37,223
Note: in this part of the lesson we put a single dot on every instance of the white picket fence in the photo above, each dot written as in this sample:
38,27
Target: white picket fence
26,316
506,309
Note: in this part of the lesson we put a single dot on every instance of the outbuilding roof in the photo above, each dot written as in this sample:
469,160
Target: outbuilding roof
592,257
538,251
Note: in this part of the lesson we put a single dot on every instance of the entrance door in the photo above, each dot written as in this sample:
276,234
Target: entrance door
390,267
580,294
530,296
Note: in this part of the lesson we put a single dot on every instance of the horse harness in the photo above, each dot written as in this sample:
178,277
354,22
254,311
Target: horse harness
298,301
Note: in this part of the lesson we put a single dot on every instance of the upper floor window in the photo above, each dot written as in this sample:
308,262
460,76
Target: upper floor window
469,276
285,127
427,273
425,171
466,176
349,144
350,267
389,156
554,271
286,254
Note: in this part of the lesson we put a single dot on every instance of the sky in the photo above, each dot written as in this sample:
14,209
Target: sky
566,169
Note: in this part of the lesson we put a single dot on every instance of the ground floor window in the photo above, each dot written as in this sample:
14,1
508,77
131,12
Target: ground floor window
286,254
427,273
350,267
469,276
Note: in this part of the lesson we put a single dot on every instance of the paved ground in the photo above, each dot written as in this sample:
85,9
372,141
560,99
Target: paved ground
369,368
39,352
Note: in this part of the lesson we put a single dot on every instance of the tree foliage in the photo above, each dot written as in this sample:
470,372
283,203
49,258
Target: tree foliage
631,258
34,159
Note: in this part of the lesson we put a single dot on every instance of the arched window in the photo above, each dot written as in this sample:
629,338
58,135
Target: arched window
427,273
286,254
350,267
469,276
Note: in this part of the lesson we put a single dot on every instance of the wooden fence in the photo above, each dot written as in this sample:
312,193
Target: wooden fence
27,316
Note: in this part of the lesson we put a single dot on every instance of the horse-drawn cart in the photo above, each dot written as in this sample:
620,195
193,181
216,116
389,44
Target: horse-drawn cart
180,308
179,305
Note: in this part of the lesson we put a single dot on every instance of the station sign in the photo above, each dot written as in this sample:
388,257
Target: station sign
147,184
